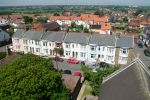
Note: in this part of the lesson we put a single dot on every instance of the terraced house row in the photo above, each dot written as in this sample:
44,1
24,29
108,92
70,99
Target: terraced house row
82,46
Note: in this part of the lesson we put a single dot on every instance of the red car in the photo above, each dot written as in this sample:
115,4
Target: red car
77,74
58,59
73,61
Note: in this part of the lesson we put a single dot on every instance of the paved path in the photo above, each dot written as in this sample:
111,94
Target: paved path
3,49
81,92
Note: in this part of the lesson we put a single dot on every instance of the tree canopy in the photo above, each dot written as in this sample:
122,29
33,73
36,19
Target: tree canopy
31,77
27,19
99,12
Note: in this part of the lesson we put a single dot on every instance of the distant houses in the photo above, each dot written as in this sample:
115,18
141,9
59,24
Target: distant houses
84,47
90,21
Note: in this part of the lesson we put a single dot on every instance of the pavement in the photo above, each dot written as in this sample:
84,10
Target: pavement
67,66
140,52
3,49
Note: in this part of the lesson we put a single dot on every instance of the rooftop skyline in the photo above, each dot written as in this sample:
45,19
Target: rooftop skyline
74,2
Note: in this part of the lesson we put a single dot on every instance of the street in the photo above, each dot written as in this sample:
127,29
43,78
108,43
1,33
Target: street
140,52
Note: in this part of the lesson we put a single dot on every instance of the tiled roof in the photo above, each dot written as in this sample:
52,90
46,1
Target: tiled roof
106,26
83,17
54,36
38,27
33,35
82,38
103,39
124,41
19,33
129,84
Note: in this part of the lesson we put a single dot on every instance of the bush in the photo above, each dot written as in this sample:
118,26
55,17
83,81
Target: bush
2,55
95,78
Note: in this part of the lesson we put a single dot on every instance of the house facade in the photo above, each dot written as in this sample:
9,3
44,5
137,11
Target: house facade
98,48
84,47
37,42
76,45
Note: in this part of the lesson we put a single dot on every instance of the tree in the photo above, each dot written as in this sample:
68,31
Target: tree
99,12
56,14
11,32
42,20
31,77
27,19
95,78
86,30
60,51
139,11
125,19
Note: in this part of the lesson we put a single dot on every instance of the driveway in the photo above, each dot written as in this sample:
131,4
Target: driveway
3,49
64,65
140,52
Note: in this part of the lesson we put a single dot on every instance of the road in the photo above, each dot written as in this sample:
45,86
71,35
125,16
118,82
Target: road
140,52
64,65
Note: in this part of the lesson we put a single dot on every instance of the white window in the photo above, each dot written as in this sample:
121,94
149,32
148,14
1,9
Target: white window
25,41
16,41
72,45
123,60
37,43
44,43
46,51
32,42
92,48
103,48
93,55
67,53
17,47
124,51
83,47
68,46
110,49
102,56
109,58
26,48
99,48
82,55
37,49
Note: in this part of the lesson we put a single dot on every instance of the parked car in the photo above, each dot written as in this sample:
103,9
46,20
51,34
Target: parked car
103,64
77,74
87,63
67,72
58,59
147,52
73,61
140,45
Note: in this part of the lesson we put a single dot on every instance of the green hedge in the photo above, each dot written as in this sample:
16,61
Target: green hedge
2,55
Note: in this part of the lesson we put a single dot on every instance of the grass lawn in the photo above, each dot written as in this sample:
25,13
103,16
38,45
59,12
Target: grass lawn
87,90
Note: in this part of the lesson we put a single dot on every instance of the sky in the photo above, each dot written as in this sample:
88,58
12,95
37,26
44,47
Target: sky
74,2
